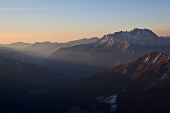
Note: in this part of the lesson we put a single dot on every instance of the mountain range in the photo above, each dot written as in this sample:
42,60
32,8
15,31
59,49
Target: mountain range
117,73
141,86
44,49
111,50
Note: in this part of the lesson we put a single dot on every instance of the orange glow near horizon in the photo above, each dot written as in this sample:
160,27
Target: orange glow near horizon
163,33
7,38
61,21
32,37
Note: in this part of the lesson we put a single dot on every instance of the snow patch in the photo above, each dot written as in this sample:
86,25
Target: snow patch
109,100
155,60
147,59
110,43
105,39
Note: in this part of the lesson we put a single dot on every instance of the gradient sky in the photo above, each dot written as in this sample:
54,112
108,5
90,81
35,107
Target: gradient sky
64,20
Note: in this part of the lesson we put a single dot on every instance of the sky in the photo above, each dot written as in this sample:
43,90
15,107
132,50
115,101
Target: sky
65,20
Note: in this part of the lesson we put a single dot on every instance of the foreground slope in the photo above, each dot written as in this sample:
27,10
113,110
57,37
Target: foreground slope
22,82
138,87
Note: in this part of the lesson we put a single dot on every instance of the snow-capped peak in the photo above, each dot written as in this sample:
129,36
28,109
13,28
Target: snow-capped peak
136,36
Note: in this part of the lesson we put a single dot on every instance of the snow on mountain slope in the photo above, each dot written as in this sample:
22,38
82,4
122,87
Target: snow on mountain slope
136,36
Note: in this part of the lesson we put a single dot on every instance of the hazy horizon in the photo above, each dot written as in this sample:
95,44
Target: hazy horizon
48,41
69,40
63,20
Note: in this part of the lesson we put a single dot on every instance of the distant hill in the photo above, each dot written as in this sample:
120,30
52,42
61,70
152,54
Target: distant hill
17,45
10,53
13,54
44,49
141,86
111,50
